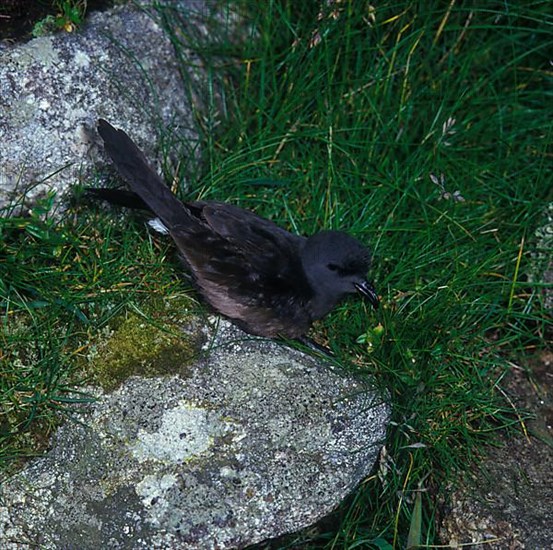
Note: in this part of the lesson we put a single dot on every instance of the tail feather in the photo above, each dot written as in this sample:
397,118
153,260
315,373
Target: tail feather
119,197
141,177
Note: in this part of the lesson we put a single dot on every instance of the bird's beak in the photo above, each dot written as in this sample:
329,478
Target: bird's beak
367,290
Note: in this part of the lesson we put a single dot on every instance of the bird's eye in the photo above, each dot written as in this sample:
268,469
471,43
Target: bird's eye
332,267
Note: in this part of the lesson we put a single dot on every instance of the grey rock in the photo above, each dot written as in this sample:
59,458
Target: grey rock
253,441
120,66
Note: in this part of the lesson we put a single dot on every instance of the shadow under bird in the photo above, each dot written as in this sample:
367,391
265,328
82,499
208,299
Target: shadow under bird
267,280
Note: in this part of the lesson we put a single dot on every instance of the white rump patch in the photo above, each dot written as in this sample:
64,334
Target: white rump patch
157,225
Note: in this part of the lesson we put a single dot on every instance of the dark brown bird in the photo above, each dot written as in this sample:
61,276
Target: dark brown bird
269,281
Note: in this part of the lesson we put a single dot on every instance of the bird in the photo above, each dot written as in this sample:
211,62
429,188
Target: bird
268,281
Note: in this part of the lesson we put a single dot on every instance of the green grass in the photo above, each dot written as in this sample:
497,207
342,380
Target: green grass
62,282
338,121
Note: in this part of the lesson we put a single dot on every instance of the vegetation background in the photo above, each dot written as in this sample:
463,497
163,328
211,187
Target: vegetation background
423,129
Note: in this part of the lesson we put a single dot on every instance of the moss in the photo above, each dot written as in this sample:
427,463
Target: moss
150,343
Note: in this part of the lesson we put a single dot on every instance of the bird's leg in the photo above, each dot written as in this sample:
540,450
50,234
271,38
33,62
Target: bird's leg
313,346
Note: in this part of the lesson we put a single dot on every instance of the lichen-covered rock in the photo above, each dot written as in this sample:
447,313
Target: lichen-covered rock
250,442
119,66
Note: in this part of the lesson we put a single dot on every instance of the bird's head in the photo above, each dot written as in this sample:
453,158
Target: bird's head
336,264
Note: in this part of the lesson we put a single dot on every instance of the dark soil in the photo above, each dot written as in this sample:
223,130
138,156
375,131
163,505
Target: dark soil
507,504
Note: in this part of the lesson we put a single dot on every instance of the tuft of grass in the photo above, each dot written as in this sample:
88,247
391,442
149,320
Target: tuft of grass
424,130
69,17
64,280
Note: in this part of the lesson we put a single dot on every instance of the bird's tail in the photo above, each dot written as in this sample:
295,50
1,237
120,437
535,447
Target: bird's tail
119,197
141,177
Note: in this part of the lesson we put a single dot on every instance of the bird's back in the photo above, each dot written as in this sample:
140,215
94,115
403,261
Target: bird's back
247,268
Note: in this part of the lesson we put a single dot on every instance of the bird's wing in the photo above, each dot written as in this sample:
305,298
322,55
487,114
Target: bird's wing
231,235
243,263
248,230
